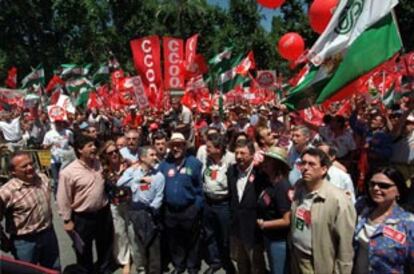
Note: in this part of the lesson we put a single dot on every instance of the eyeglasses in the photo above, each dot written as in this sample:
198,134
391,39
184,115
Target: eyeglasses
381,185
115,151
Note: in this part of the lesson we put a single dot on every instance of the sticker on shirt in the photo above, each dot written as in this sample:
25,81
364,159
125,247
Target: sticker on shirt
183,171
144,186
189,171
213,174
304,215
171,173
266,198
394,234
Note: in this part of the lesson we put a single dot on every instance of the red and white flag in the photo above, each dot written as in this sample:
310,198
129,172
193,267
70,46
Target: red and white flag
146,55
191,49
246,64
173,57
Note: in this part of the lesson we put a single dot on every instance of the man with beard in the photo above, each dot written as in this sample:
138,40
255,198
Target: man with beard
245,186
84,207
183,199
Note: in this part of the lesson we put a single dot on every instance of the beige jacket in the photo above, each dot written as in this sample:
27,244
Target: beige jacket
333,224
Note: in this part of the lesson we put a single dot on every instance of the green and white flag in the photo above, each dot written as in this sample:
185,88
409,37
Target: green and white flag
37,76
73,70
101,75
83,97
375,40
222,71
76,84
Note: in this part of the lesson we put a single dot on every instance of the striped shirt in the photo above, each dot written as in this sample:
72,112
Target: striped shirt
26,206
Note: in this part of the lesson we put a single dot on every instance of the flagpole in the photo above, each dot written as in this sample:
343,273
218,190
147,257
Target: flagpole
394,17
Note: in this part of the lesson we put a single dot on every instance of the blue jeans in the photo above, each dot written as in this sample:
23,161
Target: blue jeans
39,248
276,254
54,169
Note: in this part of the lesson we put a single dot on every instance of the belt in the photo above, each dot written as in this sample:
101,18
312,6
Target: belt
217,200
15,141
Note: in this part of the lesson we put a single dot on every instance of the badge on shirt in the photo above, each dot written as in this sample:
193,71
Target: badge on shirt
171,173
394,234
189,171
291,194
213,174
251,178
183,171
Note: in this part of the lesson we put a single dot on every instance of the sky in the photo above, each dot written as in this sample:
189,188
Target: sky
267,14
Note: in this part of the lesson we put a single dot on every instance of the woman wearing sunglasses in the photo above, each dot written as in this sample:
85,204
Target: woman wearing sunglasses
384,235
113,167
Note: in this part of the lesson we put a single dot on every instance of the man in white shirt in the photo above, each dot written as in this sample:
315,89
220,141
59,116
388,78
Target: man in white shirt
10,128
58,139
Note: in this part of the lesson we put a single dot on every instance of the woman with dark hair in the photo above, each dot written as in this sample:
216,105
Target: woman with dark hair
384,235
113,167
274,208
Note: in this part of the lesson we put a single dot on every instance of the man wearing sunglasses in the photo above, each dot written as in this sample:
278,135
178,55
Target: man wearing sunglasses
323,220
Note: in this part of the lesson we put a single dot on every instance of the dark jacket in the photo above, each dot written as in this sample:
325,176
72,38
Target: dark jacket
244,213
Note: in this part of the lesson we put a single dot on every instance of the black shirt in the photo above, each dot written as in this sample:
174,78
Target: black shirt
272,204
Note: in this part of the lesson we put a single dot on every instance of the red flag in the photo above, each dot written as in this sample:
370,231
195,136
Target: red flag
94,101
116,78
11,80
191,49
54,83
195,69
173,57
246,64
312,115
146,55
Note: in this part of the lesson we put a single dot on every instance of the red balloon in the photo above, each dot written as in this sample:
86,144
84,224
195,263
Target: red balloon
320,13
271,4
291,46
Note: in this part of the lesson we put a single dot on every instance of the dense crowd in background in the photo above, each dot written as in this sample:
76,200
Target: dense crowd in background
246,189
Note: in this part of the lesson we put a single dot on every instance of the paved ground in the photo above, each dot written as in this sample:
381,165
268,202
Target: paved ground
67,255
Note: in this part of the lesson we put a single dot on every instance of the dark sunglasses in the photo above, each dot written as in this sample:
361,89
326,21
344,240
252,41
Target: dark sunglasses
112,152
380,185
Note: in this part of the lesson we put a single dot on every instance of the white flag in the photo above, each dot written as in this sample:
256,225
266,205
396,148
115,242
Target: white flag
351,18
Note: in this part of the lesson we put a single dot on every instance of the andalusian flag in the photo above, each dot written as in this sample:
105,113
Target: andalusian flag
361,35
77,84
101,75
37,76
73,70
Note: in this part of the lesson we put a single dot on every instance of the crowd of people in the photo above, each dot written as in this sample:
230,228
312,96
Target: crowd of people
246,189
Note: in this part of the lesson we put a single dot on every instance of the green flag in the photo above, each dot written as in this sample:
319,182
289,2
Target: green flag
73,70
347,50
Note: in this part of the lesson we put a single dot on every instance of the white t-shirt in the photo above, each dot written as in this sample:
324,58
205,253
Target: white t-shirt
302,232
60,141
11,131
342,180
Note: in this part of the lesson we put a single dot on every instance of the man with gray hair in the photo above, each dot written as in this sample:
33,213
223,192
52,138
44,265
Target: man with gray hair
147,187
300,139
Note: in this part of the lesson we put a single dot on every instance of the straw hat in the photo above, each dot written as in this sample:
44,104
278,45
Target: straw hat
278,153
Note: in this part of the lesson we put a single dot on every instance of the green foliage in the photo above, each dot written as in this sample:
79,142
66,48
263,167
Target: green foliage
53,32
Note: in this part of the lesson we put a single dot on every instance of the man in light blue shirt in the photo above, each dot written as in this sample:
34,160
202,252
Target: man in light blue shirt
147,187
